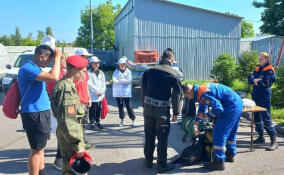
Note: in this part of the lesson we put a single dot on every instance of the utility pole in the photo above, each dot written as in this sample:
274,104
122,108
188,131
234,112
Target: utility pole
92,32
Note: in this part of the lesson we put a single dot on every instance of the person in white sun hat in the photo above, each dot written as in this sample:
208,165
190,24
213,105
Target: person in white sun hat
122,78
97,88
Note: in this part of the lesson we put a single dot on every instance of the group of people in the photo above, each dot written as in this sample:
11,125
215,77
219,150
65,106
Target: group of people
75,88
160,85
72,91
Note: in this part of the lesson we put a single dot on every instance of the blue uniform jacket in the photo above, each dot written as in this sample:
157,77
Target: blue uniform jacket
267,74
214,95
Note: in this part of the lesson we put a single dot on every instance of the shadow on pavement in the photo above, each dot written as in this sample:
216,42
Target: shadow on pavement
134,166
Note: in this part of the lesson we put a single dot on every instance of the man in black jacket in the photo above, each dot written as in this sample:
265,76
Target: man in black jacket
159,84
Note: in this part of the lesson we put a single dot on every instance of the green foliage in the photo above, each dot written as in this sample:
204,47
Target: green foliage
193,82
272,17
247,29
224,69
278,90
40,35
247,62
103,23
48,31
278,115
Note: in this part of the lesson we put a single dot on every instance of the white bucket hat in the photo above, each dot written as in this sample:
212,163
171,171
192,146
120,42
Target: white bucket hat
94,59
83,51
48,41
123,60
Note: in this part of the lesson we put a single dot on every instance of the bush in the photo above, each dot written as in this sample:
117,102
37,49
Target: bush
224,69
247,62
278,89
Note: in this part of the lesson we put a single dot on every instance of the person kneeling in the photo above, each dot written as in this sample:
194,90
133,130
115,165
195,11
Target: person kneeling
227,105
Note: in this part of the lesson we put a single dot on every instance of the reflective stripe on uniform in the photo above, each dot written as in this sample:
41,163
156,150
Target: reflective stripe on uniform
231,142
271,126
257,123
219,147
213,115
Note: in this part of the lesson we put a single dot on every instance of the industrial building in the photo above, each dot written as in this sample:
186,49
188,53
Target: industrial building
196,35
270,44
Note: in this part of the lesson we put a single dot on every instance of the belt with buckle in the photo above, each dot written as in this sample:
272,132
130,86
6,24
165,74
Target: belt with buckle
156,103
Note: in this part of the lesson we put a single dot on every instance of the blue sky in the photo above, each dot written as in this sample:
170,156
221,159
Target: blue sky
63,16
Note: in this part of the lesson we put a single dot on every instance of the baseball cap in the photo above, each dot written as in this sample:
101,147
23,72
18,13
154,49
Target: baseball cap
94,59
83,51
48,43
122,60
77,61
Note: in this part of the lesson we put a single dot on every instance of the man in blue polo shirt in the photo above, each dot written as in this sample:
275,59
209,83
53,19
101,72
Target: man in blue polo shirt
35,107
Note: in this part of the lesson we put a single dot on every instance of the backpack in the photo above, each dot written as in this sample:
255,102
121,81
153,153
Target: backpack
202,151
12,101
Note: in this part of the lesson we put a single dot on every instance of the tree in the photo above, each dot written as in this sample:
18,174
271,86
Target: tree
17,37
28,41
6,41
224,69
247,62
272,16
103,23
278,91
49,31
247,29
40,35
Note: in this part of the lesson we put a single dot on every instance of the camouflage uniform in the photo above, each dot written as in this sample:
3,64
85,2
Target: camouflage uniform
68,110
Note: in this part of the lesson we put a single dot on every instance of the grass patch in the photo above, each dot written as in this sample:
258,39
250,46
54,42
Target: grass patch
193,82
277,115
239,86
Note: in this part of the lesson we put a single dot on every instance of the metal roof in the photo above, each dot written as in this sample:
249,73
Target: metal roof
257,38
188,6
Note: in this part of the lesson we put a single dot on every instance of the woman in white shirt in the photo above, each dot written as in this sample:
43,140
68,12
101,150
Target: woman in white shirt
122,78
97,88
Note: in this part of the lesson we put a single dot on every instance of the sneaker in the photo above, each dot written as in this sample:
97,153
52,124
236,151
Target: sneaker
121,123
89,146
99,125
134,124
96,128
58,164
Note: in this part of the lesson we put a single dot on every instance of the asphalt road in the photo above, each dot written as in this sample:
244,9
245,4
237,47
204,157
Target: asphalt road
119,150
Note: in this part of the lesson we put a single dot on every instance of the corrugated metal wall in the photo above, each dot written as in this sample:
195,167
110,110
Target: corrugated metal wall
197,36
124,25
264,46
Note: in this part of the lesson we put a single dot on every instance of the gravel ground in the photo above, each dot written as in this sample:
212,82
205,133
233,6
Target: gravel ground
119,150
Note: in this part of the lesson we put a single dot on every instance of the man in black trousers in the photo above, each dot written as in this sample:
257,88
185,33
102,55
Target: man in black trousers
159,84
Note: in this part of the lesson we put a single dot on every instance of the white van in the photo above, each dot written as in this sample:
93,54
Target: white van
4,61
13,70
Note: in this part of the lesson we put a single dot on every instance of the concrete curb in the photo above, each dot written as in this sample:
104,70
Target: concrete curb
279,129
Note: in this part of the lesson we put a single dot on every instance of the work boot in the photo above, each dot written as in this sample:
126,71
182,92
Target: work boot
229,156
273,145
162,168
217,165
148,163
260,139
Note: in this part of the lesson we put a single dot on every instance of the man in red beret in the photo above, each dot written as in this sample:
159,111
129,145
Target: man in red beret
69,111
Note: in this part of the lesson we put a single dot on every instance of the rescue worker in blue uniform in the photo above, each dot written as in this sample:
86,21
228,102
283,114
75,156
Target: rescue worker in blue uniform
227,106
263,78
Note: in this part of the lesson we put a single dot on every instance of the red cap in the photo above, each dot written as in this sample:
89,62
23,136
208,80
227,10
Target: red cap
77,61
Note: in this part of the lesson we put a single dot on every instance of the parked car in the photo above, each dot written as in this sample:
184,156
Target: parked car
138,70
4,60
12,73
